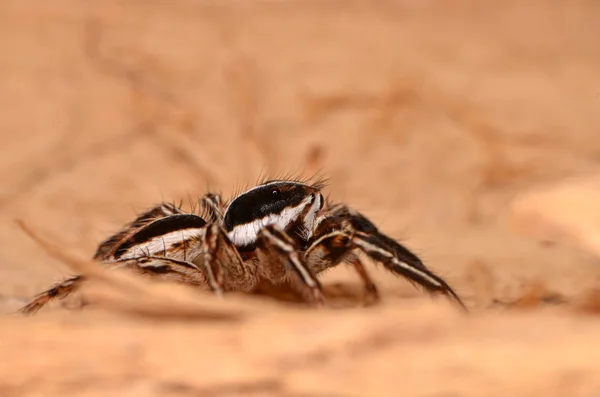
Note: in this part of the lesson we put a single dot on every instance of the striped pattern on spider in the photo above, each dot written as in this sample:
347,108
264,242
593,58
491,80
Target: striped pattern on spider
278,231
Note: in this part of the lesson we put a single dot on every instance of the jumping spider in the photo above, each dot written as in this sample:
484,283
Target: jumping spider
279,231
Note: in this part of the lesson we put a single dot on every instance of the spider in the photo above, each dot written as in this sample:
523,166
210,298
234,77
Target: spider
280,231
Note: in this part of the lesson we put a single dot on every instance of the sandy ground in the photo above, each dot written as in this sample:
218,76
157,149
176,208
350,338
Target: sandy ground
430,117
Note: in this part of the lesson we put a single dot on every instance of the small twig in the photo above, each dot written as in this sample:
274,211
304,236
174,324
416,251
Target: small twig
81,266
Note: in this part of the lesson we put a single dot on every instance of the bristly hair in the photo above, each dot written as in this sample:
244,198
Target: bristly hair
327,201
316,179
143,218
196,208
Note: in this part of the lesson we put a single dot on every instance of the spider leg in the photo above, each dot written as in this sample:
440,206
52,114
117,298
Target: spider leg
222,257
164,227
179,244
334,248
348,229
371,292
172,269
280,258
399,260
58,291
155,266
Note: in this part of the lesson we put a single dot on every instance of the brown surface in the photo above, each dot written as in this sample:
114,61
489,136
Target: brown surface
566,211
430,117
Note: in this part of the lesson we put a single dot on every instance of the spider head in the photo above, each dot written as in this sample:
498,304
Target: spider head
281,203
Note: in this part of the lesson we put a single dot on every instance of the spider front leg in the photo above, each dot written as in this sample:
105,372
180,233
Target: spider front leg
399,260
280,258
342,230
371,292
220,255
334,248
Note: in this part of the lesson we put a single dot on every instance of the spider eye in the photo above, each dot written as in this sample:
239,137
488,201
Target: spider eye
275,193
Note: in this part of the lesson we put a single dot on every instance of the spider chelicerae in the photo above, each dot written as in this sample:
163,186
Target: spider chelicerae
280,231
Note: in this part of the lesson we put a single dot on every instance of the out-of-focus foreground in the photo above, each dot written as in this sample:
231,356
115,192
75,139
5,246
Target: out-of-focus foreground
468,130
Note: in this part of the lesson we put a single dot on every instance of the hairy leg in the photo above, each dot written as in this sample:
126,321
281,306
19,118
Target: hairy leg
137,237
334,248
280,259
343,229
231,272
58,291
371,292
163,268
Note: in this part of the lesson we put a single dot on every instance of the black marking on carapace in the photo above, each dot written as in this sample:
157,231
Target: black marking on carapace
265,200
160,227
105,248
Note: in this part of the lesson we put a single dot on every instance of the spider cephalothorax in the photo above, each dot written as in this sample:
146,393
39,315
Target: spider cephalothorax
279,231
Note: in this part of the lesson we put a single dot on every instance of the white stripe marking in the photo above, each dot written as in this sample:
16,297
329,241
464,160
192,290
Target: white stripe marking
369,247
309,221
246,233
158,244
263,186
323,238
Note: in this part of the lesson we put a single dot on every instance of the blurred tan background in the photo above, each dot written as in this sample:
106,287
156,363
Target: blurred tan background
448,123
